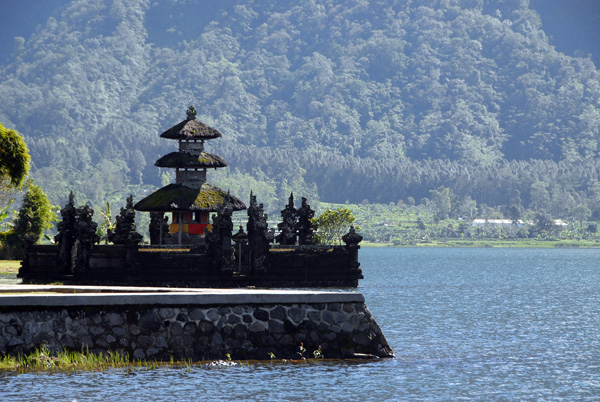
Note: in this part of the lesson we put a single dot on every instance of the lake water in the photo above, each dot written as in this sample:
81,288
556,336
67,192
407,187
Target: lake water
465,324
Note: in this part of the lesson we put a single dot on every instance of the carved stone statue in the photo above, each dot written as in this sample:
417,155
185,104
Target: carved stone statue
85,229
125,232
352,239
259,236
214,243
158,228
191,113
287,227
67,234
219,240
305,227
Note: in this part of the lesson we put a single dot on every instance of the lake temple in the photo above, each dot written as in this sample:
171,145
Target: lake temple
196,249
191,199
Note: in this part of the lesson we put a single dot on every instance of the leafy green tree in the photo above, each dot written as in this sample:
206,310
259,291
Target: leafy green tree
106,223
442,199
581,212
515,210
332,225
467,208
8,194
14,156
14,167
543,224
540,197
35,216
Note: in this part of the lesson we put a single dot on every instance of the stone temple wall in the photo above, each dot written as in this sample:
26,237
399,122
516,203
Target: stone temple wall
197,332
288,267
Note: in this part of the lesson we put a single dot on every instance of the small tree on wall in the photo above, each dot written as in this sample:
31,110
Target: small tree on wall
332,225
35,216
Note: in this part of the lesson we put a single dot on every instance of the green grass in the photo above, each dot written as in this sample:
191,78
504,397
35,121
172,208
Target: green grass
516,243
43,359
371,244
391,225
9,266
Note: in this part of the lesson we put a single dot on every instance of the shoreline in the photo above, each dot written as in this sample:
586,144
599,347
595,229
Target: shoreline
174,324
490,244
12,266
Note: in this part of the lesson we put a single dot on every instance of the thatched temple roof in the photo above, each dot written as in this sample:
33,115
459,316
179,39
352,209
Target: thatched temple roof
189,160
178,197
191,130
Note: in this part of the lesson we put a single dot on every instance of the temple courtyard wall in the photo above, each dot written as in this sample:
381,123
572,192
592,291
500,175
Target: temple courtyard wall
287,267
199,324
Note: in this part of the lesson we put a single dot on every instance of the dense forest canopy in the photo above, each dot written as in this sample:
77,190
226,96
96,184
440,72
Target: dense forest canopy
344,100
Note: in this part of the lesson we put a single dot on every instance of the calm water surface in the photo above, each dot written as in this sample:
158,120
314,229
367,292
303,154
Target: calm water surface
466,324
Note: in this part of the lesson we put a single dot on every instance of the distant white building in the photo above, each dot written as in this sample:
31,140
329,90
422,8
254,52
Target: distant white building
495,222
508,222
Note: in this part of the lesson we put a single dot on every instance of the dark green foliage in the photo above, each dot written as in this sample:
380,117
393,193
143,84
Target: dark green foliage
332,225
371,99
443,198
35,216
543,224
14,156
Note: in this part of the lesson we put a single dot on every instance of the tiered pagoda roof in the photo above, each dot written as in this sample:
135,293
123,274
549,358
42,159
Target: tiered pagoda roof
178,197
191,130
190,192
190,160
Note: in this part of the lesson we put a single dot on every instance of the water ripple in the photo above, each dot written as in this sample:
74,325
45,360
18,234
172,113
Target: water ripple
466,324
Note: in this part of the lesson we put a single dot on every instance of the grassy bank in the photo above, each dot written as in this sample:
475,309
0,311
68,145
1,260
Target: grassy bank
67,361
418,226
512,243
520,243
9,266
44,360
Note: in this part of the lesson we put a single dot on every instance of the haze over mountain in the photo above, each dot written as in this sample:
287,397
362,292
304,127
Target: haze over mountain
350,100
572,25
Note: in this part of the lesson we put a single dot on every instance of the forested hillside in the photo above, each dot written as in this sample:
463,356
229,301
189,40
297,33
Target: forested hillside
346,100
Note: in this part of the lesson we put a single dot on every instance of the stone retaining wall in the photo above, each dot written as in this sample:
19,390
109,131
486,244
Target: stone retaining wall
197,332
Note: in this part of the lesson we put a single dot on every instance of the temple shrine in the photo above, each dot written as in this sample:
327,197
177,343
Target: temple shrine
191,250
191,199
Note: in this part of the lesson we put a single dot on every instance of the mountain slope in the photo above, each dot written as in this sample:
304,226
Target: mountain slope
362,99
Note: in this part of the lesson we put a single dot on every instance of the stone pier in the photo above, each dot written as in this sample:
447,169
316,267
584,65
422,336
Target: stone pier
198,324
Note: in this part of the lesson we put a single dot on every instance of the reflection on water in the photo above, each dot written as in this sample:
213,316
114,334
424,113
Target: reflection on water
482,324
